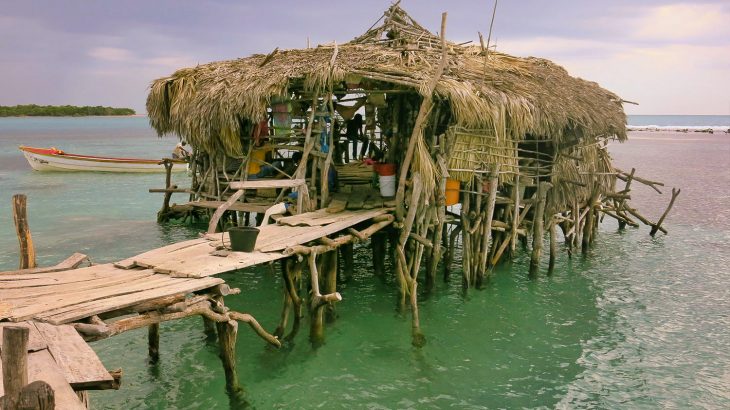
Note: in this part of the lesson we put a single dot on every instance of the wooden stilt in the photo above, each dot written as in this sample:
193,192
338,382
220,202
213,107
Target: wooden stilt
25,241
209,328
589,222
329,268
153,340
227,333
377,243
489,215
537,227
553,246
292,273
348,259
466,240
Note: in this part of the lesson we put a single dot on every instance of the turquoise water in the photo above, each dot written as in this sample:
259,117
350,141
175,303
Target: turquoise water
641,323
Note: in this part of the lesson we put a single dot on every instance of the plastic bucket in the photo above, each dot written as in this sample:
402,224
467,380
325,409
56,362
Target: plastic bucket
385,169
387,185
243,238
452,191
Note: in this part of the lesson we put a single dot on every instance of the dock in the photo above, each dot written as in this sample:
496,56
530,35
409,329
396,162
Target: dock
66,306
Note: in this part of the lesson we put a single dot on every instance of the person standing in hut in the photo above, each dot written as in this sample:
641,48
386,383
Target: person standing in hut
354,134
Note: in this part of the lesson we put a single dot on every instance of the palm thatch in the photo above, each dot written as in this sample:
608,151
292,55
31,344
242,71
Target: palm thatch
510,96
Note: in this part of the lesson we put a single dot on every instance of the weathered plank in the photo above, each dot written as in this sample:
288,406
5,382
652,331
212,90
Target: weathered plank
209,265
311,234
257,207
267,183
152,257
25,293
71,262
80,366
87,309
41,366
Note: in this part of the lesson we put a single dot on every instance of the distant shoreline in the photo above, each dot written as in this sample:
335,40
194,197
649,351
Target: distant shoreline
33,110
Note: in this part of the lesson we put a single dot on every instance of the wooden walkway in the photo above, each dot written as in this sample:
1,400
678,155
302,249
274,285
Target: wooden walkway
206,256
58,356
65,306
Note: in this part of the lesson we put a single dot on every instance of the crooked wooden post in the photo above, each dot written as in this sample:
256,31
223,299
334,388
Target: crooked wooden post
25,241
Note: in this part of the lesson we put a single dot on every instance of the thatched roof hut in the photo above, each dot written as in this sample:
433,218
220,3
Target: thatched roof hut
512,96
520,122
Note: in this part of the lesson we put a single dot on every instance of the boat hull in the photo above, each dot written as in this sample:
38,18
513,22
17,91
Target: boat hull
52,160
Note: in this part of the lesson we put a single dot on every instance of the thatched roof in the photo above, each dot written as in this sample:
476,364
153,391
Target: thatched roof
512,96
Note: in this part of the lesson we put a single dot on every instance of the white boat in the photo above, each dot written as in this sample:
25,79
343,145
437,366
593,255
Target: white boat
53,159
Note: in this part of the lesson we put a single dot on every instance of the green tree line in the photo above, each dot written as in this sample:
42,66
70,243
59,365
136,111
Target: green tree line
33,110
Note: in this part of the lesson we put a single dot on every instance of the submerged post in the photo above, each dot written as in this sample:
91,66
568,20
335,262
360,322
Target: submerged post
25,241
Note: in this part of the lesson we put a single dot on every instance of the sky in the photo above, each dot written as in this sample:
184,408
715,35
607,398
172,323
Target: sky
672,57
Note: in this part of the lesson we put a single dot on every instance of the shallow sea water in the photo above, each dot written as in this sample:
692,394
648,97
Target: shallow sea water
641,323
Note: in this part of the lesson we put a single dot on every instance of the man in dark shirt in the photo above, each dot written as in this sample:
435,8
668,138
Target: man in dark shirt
354,133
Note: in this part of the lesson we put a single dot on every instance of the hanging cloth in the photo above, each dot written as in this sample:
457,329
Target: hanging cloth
348,111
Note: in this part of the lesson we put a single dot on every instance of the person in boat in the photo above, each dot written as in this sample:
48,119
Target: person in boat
180,152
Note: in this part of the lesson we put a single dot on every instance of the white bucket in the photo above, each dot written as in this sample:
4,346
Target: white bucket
387,185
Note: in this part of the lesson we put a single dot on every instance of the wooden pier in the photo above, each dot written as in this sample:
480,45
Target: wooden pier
65,305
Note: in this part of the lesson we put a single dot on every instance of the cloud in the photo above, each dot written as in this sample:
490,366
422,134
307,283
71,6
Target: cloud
683,22
114,54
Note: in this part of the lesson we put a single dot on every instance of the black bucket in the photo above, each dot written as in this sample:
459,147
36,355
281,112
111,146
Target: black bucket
243,238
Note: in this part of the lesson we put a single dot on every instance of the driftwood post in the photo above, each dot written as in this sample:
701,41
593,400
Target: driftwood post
538,226
25,241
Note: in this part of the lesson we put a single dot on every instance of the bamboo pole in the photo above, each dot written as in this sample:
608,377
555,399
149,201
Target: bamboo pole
553,246
22,229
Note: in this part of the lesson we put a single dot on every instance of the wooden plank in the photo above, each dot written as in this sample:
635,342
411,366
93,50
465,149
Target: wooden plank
311,234
80,366
209,265
84,310
41,366
238,206
26,293
35,306
50,278
149,258
267,183
71,262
